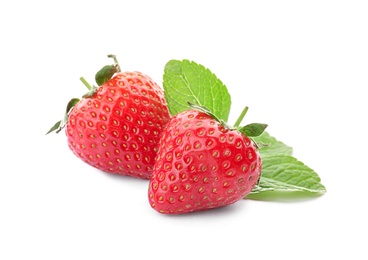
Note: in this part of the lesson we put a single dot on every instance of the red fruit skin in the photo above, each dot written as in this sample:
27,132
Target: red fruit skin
117,130
201,165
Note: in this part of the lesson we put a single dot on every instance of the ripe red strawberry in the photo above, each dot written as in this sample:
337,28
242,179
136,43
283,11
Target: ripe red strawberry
116,127
201,164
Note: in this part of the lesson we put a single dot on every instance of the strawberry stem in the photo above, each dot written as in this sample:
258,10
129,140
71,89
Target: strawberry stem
115,61
86,83
240,119
91,89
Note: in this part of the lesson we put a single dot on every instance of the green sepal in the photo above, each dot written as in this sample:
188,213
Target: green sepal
105,74
205,110
55,127
58,126
90,93
253,130
71,104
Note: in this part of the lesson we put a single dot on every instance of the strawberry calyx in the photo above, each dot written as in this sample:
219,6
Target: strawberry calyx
61,124
250,130
101,77
91,89
106,73
208,112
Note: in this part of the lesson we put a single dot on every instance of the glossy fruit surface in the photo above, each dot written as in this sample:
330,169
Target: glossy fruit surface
117,128
201,165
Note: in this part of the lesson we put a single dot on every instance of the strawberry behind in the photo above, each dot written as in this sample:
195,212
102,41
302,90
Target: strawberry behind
117,129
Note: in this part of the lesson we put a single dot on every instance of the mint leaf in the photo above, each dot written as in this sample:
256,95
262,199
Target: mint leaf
284,173
272,146
186,80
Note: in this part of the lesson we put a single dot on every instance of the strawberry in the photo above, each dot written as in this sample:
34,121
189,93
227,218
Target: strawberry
202,164
116,126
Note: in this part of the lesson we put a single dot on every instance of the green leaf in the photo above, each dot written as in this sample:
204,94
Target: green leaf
271,146
253,130
186,80
284,173
283,176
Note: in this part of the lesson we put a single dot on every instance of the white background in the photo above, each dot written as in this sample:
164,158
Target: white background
300,66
